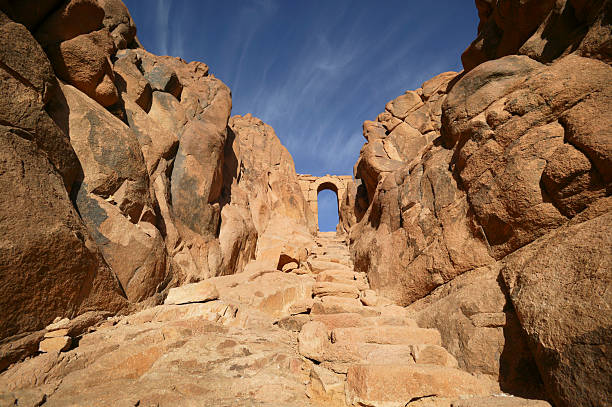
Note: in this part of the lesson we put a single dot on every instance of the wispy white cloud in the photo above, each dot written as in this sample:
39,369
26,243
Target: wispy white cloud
314,71
162,18
314,105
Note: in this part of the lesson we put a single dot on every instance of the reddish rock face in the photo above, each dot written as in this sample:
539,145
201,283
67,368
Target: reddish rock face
515,158
541,29
480,328
80,37
482,202
518,151
507,154
49,264
558,285
154,196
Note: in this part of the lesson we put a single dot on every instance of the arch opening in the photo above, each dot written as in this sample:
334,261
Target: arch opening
327,206
327,186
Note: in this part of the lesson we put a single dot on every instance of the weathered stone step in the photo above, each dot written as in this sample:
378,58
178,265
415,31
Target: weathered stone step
326,387
391,335
393,385
192,293
317,266
335,248
331,244
340,259
314,343
337,305
338,276
351,353
354,320
499,401
336,254
274,293
338,247
322,289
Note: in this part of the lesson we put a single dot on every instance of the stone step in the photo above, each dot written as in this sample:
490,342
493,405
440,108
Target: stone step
373,353
335,249
330,238
354,320
338,276
293,322
341,356
341,320
338,305
317,266
316,251
333,244
391,320
391,335
326,387
275,293
344,260
500,401
323,289
192,293
398,384
328,235
433,355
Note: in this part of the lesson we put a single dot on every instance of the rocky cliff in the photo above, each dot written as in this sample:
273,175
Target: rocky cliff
123,174
149,238
480,187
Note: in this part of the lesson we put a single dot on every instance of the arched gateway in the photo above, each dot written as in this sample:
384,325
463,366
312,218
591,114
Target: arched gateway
311,186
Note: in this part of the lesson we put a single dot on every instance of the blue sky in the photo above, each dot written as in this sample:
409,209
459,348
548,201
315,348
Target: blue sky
313,69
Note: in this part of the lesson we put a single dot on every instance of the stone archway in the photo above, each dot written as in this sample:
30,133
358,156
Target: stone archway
311,186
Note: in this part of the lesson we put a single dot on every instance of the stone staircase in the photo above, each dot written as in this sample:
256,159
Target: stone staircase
310,332
368,352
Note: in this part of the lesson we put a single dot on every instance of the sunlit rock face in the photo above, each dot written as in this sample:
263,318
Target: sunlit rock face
544,30
150,185
517,155
150,238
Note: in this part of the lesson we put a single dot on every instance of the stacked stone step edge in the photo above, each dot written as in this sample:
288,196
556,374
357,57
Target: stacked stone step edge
367,352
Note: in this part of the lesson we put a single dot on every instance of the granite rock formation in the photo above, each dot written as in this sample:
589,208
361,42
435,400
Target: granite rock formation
474,180
124,175
151,239
543,30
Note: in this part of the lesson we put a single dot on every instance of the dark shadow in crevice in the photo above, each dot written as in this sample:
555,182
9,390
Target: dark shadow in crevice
518,372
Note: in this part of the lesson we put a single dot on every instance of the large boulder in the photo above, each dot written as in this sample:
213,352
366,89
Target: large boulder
418,215
543,30
29,91
80,48
529,144
49,264
30,13
479,327
559,285
114,199
83,61
119,23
